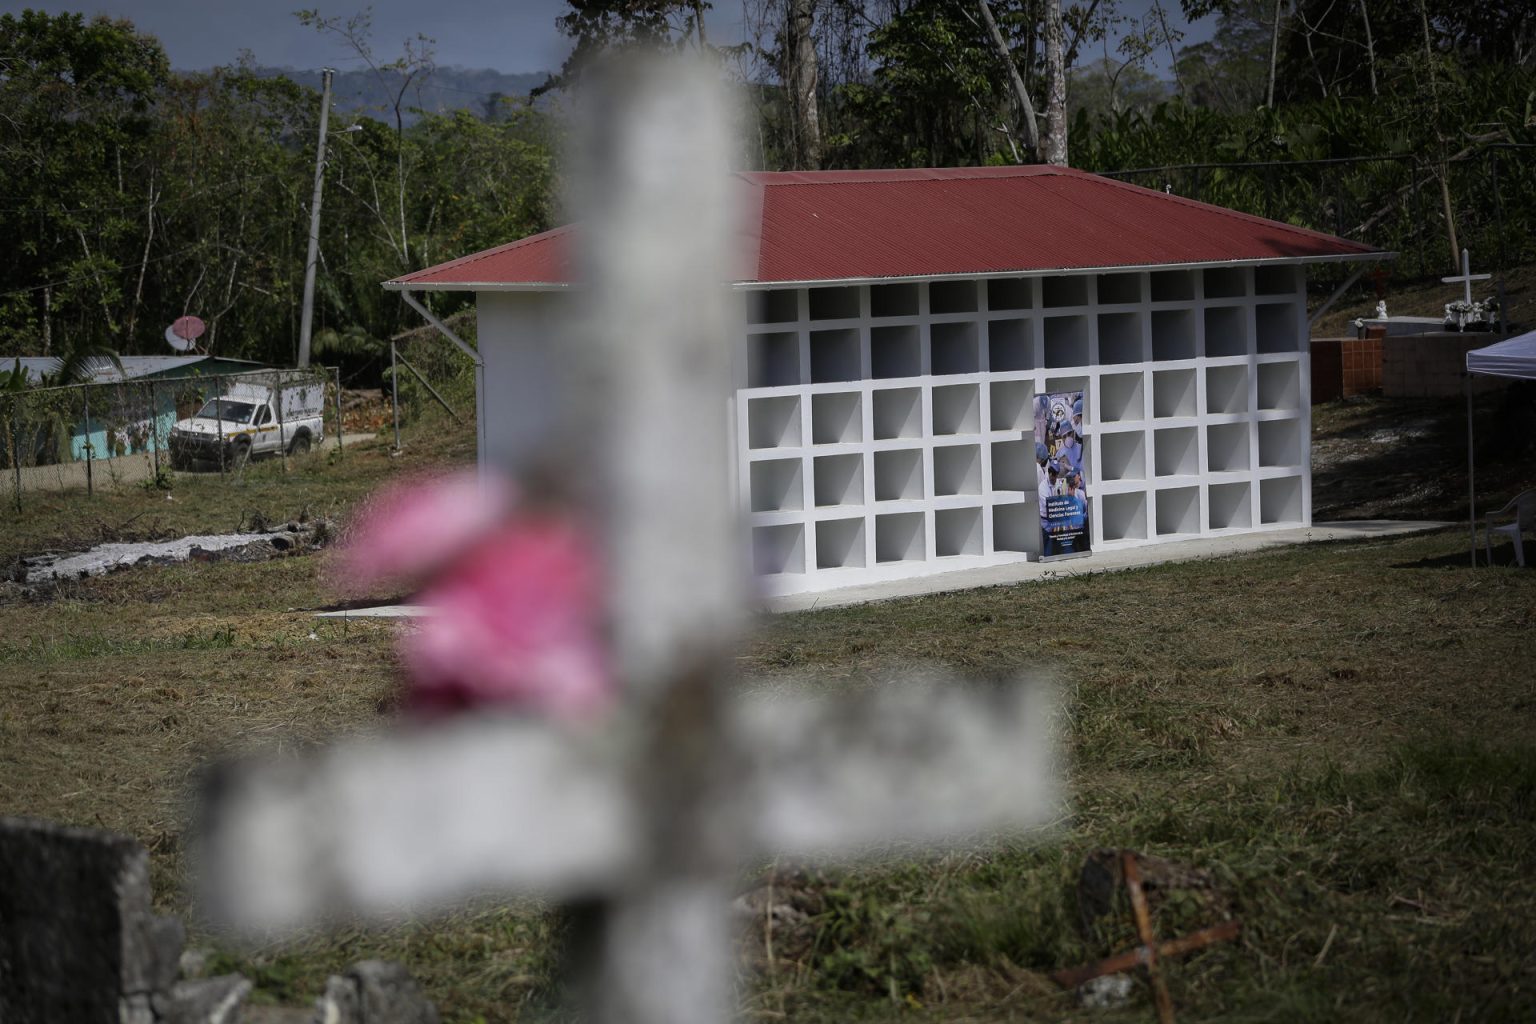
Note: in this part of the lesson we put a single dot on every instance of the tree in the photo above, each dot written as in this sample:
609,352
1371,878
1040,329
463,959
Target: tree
799,77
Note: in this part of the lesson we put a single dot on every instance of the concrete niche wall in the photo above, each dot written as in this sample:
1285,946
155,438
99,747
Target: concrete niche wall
886,430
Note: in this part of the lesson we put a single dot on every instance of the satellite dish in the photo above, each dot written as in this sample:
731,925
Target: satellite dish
186,330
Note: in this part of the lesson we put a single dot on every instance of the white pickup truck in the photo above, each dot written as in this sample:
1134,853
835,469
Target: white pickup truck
246,421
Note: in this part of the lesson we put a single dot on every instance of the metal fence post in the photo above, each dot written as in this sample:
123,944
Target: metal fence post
218,413
394,391
339,425
282,427
16,445
90,486
154,427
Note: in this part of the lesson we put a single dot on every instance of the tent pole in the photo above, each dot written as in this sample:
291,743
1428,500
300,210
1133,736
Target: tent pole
1471,489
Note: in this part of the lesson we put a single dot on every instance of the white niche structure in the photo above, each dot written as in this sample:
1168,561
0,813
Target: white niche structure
903,422
881,422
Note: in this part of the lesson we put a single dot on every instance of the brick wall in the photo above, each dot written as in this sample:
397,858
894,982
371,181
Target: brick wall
1345,366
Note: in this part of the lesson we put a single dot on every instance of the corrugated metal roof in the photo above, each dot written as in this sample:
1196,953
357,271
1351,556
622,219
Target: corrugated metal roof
103,371
842,225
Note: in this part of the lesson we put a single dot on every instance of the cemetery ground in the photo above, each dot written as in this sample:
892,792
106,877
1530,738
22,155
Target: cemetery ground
1342,734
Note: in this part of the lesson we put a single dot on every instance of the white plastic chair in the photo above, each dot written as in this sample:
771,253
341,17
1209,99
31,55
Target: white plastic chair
1524,509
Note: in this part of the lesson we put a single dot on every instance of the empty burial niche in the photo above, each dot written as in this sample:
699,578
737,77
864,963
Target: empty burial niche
957,531
1063,291
1121,398
898,412
1123,455
1279,386
1172,285
952,297
1226,389
774,307
1226,447
838,479
773,360
893,300
899,475
1013,466
957,409
836,418
778,549
1016,527
1226,282
1120,338
774,422
834,303
1013,405
1176,451
777,485
1231,506
1124,516
1173,393
834,356
895,351
899,537
1010,293
1066,341
953,348
1274,326
839,543
1274,281
1226,331
957,469
1010,346
1280,500
1119,289
1178,511
1173,334
1279,442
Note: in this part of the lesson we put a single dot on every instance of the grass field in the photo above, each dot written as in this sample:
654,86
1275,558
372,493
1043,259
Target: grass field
1343,734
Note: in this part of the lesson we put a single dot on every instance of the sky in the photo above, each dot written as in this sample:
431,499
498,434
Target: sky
504,35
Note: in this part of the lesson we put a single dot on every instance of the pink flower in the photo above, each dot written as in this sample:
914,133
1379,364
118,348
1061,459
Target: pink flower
515,621
514,598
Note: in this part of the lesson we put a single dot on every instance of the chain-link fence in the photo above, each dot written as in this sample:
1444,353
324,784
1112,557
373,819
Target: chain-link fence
110,433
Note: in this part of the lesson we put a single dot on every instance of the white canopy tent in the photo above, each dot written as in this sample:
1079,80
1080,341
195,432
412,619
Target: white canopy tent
1513,357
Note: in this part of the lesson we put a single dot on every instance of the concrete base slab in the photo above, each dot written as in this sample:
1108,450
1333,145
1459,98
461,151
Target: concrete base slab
1099,561
1024,572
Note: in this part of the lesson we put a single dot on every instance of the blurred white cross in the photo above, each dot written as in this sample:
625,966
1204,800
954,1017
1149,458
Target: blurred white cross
646,817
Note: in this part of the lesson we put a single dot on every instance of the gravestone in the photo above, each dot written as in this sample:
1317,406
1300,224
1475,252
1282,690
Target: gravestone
79,941
640,818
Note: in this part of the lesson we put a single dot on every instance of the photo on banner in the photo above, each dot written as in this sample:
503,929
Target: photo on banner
1061,475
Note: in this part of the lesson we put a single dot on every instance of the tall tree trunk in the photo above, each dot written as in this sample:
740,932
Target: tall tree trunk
800,84
1031,128
1370,46
1055,149
1445,167
1274,53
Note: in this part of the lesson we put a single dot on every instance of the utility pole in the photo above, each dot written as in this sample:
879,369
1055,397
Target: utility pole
307,321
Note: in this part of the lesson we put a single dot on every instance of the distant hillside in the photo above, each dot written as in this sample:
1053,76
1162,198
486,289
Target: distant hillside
445,89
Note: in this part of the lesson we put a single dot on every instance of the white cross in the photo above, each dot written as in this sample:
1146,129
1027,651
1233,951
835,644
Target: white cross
646,817
1466,277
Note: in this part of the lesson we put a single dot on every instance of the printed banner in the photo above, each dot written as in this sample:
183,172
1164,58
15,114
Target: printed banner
1062,475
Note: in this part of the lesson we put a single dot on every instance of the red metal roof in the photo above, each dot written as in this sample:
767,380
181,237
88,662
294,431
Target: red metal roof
842,225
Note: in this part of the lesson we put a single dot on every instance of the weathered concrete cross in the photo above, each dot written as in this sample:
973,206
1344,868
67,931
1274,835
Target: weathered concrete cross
1466,277
646,815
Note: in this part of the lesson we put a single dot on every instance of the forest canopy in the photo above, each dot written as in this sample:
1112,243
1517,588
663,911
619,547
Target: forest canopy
134,193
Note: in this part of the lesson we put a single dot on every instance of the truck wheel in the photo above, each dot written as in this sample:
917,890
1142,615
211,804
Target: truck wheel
240,453
300,444
180,462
